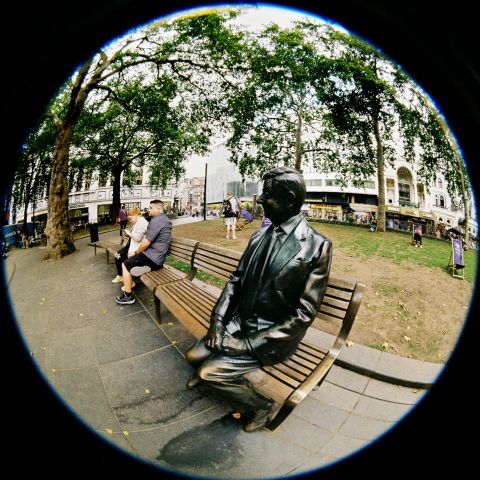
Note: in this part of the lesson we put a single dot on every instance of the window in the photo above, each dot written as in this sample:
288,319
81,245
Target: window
441,201
331,182
366,184
439,183
404,191
317,182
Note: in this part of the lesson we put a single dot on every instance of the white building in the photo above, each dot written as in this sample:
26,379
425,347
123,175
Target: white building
408,201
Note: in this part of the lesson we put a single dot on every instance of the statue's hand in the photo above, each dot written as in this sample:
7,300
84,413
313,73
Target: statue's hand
214,334
233,346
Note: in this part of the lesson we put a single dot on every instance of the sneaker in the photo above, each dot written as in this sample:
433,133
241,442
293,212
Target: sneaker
139,271
226,237
125,299
234,238
133,286
117,279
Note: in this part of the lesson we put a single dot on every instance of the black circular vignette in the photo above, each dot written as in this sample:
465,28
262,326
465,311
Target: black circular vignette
437,46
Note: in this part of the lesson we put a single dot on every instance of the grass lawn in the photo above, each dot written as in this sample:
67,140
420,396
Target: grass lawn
356,242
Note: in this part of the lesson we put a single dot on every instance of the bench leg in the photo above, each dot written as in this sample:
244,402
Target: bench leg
108,257
279,417
158,309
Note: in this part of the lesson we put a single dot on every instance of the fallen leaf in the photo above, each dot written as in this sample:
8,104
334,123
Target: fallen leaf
407,339
110,432
53,370
349,343
169,324
368,304
147,391
81,314
174,342
125,433
385,345
237,415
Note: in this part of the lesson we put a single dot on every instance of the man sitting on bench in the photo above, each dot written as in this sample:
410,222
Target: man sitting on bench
270,301
151,252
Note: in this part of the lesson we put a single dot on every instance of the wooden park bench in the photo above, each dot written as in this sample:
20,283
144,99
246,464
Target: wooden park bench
110,247
191,301
180,249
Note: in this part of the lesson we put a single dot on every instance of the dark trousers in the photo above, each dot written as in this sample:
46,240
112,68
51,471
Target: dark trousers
123,225
224,374
120,257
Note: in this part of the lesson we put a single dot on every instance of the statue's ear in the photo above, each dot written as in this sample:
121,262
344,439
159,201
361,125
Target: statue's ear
289,199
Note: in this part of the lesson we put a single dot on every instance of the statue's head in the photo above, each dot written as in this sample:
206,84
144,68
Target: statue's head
283,194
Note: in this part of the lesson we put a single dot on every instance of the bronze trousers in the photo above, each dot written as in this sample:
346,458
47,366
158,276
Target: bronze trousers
224,374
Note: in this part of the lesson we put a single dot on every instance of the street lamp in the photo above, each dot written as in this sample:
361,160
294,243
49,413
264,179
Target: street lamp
205,192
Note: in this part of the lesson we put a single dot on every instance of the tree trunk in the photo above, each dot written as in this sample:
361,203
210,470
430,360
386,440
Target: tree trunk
59,236
381,217
115,206
298,141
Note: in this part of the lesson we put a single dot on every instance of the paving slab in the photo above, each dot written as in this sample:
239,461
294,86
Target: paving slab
347,379
407,371
336,396
325,416
364,428
381,410
149,390
83,391
342,446
127,336
393,393
70,348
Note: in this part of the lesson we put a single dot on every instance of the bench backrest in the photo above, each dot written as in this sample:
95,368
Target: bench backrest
217,261
183,249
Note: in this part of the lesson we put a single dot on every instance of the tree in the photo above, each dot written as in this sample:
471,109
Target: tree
142,125
276,113
371,106
33,173
197,50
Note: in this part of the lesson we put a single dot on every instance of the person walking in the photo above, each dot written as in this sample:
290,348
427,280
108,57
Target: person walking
135,237
123,219
151,252
417,236
231,208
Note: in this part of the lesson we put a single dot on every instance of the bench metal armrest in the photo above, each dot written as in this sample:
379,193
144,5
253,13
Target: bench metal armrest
320,372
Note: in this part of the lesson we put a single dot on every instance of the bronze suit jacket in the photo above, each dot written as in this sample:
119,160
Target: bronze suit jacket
276,318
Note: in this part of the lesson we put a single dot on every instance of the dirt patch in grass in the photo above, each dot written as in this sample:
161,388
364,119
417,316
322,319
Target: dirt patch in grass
412,306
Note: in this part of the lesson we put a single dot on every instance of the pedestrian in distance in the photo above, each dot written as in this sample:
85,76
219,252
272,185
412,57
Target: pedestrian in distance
231,209
123,219
417,236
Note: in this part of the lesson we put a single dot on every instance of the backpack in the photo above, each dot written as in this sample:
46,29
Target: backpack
227,209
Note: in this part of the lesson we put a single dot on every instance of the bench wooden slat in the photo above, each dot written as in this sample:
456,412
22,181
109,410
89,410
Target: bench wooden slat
337,293
332,312
213,270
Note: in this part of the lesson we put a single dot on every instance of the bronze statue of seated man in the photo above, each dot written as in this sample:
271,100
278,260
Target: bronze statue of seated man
269,302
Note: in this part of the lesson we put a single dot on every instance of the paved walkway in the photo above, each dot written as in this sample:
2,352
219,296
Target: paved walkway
124,376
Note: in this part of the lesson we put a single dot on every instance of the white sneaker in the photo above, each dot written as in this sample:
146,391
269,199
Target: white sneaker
133,286
139,271
234,238
117,279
